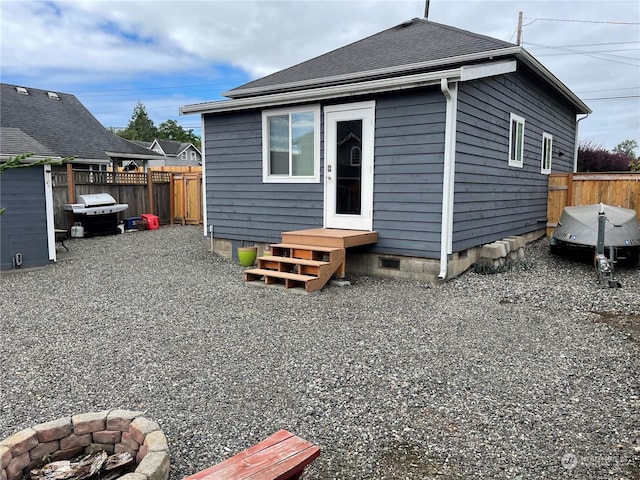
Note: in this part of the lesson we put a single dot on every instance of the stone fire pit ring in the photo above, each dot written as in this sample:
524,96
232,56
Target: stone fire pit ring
114,431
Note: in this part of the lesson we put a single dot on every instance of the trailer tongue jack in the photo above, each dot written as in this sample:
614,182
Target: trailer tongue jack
604,266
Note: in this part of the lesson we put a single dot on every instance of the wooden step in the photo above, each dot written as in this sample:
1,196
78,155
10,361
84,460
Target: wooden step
293,261
297,246
263,272
330,237
291,280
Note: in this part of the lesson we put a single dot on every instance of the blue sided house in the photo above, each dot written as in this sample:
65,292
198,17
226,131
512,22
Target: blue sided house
400,154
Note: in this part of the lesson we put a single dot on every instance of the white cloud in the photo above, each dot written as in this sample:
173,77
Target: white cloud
73,45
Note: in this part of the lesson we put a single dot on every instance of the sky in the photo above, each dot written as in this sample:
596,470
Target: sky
165,54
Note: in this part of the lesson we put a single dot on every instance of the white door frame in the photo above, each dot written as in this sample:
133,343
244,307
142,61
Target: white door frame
364,111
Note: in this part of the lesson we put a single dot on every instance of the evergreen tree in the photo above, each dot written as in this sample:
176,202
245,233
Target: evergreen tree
140,126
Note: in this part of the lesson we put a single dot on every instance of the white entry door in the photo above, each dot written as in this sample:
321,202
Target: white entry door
348,153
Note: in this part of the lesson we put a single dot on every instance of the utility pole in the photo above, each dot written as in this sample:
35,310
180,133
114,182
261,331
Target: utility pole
426,9
519,37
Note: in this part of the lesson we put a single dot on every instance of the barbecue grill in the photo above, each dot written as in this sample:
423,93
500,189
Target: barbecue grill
98,213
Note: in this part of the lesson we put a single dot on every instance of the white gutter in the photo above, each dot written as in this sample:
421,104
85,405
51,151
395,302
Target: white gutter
450,92
576,145
321,93
387,71
491,55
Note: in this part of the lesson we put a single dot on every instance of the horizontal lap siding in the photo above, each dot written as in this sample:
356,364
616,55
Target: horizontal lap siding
239,205
493,200
409,148
23,226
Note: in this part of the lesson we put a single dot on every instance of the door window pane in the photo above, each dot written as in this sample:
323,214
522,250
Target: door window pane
348,174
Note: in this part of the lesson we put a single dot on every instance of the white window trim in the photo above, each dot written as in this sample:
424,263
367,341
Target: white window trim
183,155
514,162
193,155
546,137
266,177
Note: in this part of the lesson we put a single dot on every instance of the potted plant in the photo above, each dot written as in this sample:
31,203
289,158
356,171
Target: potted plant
247,255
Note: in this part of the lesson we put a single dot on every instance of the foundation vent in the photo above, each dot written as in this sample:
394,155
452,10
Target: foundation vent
389,263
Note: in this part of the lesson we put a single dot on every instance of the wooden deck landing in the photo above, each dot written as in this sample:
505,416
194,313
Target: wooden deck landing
330,237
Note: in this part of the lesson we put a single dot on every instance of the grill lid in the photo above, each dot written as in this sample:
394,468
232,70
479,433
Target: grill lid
95,199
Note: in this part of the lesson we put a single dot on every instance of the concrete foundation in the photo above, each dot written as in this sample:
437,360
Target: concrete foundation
412,268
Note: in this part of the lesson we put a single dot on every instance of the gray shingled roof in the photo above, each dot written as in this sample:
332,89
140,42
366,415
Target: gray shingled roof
171,147
410,43
61,125
14,141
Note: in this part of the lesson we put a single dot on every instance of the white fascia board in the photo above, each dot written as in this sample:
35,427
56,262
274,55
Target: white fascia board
96,161
473,72
387,71
127,156
321,93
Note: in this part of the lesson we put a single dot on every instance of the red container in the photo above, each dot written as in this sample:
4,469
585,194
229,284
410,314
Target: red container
152,221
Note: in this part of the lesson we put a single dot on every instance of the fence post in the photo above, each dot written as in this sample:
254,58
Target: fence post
150,191
172,208
570,190
71,185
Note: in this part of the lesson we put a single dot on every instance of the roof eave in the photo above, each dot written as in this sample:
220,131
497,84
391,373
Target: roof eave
377,73
138,156
321,93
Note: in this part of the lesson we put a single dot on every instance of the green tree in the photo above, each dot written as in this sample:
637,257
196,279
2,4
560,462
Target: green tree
627,147
170,130
140,127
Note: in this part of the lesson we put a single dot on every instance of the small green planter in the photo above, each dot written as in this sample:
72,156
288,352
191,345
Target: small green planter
247,256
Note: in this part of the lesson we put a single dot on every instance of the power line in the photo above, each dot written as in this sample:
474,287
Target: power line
579,21
609,90
611,98
588,54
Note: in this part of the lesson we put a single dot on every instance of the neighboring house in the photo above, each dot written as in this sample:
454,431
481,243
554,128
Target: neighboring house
438,139
175,154
48,125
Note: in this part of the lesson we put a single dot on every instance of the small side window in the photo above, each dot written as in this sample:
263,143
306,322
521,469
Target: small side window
547,153
516,140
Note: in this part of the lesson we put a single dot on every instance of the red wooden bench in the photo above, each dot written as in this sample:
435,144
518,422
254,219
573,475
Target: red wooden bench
282,456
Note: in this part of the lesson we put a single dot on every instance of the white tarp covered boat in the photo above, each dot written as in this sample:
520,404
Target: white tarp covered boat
578,226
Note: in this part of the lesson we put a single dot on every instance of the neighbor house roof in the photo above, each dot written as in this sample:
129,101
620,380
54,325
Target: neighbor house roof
61,124
415,53
171,148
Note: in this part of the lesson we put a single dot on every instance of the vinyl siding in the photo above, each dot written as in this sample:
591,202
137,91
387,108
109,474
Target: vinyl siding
239,205
409,150
23,227
493,200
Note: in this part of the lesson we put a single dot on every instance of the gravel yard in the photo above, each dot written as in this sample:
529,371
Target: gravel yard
528,374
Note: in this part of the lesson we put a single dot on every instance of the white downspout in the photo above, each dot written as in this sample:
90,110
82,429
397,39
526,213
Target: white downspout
203,151
575,147
450,92
48,202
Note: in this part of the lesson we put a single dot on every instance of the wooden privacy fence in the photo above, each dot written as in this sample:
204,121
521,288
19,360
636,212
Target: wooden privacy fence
151,192
568,189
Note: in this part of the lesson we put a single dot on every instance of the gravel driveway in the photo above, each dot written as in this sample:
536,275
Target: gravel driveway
529,374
